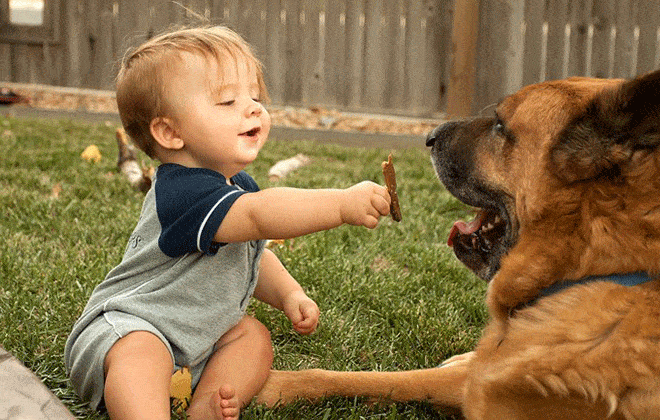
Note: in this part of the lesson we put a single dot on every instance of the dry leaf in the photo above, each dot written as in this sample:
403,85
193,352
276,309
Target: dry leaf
91,154
139,177
380,263
57,189
286,166
272,243
181,388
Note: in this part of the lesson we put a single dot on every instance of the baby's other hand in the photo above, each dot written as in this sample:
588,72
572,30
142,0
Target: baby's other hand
302,312
364,204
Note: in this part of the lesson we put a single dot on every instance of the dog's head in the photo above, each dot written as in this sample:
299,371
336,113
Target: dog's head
558,158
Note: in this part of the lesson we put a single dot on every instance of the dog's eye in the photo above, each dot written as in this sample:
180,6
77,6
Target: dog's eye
499,127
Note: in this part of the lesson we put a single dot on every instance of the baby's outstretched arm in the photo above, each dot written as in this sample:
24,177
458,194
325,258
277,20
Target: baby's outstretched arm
279,289
281,213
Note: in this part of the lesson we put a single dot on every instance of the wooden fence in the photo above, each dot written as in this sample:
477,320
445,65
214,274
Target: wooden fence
541,40
389,56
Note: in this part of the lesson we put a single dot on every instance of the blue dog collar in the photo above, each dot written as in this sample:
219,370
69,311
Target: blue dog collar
629,279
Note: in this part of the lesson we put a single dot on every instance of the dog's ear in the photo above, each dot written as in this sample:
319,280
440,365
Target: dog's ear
616,123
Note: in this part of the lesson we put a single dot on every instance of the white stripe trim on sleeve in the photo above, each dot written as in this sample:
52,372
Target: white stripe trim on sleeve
201,228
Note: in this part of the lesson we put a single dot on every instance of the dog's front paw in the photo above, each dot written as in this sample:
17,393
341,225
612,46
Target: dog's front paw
509,291
459,359
501,299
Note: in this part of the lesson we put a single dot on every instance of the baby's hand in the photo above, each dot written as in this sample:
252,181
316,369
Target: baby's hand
302,312
364,204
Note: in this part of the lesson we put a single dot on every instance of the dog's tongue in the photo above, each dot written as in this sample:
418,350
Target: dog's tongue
460,227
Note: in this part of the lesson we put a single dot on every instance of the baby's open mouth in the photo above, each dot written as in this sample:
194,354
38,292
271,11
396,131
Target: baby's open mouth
252,133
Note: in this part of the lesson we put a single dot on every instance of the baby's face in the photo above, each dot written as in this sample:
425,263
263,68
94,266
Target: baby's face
217,112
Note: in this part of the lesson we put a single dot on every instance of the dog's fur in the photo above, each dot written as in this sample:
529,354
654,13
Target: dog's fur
567,177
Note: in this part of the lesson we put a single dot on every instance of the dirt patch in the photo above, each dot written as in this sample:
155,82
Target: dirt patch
56,98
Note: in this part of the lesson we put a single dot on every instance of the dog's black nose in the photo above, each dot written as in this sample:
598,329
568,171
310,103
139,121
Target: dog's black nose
432,137
440,132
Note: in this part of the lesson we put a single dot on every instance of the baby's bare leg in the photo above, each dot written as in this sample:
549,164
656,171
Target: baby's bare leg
138,369
235,373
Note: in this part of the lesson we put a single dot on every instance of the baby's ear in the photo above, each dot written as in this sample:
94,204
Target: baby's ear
163,131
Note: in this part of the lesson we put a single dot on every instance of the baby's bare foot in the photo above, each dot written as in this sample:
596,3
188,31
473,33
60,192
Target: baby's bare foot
225,404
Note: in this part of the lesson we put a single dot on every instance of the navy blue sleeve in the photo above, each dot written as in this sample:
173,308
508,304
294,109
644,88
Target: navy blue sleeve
191,204
245,181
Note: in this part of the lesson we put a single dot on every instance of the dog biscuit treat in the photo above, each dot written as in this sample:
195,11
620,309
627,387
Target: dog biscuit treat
390,181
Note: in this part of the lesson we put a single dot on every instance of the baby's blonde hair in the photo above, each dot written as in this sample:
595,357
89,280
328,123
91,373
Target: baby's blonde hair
144,71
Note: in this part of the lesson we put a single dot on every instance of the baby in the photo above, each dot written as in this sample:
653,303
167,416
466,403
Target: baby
192,99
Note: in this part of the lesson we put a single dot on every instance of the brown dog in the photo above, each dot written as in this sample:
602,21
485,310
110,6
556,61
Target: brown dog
566,178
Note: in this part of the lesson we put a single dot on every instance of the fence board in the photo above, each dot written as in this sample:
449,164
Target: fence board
579,39
73,31
625,43
334,54
354,51
217,8
5,65
494,29
649,21
375,59
163,16
394,37
602,47
293,53
313,64
532,67
275,60
106,57
257,29
556,57
436,69
415,55
464,45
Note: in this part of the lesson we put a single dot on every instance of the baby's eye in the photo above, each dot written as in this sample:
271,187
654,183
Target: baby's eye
226,103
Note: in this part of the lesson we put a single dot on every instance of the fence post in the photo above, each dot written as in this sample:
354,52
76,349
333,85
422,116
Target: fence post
463,55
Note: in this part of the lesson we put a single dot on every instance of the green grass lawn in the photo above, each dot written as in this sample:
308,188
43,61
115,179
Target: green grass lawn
391,298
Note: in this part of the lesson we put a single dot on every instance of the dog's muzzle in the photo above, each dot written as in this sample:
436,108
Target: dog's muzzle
441,134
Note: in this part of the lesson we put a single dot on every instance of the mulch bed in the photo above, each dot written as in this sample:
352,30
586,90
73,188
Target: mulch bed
55,98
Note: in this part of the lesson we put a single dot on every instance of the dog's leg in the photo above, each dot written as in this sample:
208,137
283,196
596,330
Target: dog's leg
442,386
526,271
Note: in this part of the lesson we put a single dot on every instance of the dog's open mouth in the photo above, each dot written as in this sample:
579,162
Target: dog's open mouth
481,233
481,242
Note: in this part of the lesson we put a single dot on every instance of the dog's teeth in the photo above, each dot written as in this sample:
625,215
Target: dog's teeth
489,226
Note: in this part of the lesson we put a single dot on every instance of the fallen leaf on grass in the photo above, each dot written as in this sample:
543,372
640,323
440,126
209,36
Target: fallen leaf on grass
380,263
284,167
181,388
139,177
91,154
276,243
55,192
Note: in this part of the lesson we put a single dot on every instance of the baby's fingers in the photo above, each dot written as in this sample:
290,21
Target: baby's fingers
310,319
306,326
381,202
